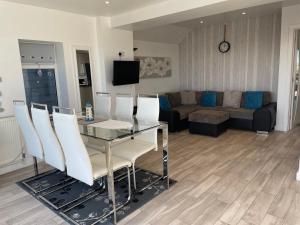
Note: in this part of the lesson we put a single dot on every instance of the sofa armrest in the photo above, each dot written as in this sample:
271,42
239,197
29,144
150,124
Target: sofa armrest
172,117
264,119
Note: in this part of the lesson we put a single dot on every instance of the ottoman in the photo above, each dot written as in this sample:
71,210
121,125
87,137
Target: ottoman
208,122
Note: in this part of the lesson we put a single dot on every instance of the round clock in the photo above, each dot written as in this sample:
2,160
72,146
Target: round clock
224,46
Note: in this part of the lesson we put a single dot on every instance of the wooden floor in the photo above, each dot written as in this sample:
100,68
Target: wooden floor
239,178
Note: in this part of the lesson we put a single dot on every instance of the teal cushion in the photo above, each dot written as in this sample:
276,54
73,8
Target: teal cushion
164,103
209,99
253,99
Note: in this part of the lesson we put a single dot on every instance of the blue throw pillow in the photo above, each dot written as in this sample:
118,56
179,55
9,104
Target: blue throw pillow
209,99
253,99
164,103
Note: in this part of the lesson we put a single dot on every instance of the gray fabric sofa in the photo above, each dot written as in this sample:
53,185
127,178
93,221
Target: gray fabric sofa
262,119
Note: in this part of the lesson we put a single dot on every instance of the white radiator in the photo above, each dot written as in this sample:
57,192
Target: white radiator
10,141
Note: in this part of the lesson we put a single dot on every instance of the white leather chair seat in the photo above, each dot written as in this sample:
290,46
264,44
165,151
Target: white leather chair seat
132,149
98,162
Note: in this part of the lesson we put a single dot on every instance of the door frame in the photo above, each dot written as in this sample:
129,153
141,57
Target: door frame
43,65
293,78
76,48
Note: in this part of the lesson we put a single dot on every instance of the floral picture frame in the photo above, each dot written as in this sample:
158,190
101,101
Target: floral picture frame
154,67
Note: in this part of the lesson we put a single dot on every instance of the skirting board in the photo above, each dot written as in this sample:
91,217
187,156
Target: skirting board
19,164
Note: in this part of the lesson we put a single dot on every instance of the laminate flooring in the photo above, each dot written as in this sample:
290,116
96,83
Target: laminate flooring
239,178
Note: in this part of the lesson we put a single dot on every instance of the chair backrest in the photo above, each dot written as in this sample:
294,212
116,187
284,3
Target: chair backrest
32,142
103,104
148,110
77,159
52,150
124,107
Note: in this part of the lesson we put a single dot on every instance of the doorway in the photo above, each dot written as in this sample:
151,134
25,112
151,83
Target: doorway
39,67
295,115
84,78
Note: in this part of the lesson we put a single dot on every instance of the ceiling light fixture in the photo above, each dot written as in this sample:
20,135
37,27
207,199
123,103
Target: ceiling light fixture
244,13
201,21
107,2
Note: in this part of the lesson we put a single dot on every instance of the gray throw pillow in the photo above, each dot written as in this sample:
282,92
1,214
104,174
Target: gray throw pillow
232,99
174,99
188,98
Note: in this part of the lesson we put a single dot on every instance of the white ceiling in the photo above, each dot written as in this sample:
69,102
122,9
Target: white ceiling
91,7
167,13
234,15
166,34
175,33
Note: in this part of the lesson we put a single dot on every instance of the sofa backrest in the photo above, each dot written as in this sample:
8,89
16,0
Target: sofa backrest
220,96
175,98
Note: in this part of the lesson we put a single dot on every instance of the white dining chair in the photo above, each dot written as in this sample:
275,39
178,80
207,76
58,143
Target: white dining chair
79,164
124,107
53,153
147,111
103,105
32,142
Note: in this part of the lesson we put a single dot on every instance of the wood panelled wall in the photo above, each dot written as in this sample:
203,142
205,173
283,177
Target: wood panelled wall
251,64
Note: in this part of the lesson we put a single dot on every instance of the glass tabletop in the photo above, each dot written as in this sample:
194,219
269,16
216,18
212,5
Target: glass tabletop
114,128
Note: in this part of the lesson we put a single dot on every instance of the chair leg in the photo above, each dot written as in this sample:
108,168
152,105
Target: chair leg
111,212
35,166
129,185
133,173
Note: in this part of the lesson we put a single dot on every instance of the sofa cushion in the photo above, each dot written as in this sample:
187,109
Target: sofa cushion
209,116
253,99
198,97
164,103
240,113
209,99
174,99
220,97
188,98
185,110
267,99
217,108
232,99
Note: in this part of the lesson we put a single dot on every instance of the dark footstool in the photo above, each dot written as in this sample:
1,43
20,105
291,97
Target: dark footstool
208,122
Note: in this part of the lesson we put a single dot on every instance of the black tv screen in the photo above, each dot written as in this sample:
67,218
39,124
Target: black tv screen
126,72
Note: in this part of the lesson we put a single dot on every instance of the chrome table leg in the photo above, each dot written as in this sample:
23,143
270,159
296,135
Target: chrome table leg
165,154
133,173
110,180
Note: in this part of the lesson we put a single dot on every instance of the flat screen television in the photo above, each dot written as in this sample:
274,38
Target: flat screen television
126,72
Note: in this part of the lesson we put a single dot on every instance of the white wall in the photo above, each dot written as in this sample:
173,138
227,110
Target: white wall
251,64
33,23
159,85
290,22
110,43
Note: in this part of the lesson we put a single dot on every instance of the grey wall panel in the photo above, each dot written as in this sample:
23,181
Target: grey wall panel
251,64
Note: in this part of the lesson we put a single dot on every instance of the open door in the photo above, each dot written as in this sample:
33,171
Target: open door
84,78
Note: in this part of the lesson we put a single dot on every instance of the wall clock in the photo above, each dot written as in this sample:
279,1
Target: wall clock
224,46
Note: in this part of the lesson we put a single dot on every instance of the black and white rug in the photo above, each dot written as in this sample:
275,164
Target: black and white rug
81,204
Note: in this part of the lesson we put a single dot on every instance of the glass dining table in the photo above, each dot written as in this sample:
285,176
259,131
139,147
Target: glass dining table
109,132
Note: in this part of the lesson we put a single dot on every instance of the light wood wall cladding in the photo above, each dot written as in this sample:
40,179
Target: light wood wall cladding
251,64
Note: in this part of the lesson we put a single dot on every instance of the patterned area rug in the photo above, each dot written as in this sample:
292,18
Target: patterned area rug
81,204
